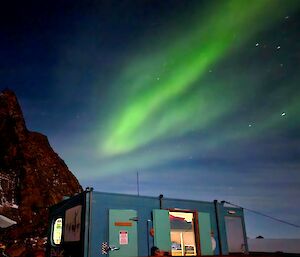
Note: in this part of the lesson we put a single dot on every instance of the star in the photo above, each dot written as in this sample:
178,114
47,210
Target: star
278,47
283,114
257,44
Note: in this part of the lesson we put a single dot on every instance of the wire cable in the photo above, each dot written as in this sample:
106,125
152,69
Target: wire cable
265,215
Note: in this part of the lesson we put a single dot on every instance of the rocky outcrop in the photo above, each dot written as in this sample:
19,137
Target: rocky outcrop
32,176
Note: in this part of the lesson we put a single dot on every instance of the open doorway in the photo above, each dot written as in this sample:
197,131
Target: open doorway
183,233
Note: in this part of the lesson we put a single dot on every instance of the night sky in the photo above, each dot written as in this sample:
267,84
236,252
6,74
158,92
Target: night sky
201,98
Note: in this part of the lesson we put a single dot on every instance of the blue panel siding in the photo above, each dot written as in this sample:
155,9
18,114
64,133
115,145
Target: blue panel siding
222,228
102,202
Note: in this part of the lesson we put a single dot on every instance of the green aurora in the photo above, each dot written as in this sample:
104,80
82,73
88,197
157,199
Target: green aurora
167,94
200,97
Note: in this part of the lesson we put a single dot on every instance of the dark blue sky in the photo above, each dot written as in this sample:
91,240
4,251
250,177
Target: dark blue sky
200,98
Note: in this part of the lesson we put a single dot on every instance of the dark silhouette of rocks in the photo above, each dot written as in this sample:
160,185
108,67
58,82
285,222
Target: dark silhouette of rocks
32,176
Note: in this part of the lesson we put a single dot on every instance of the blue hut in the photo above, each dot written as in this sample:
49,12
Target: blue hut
98,224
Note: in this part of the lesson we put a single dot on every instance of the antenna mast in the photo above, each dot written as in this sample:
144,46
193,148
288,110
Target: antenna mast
138,184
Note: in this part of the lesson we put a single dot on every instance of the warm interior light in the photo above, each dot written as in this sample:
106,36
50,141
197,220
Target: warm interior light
57,231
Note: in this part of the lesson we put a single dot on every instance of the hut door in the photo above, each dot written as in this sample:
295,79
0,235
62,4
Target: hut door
123,233
162,229
235,235
205,233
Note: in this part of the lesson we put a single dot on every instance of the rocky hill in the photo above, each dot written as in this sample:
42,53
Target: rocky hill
32,176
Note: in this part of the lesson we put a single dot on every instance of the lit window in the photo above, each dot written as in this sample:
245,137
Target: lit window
57,231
